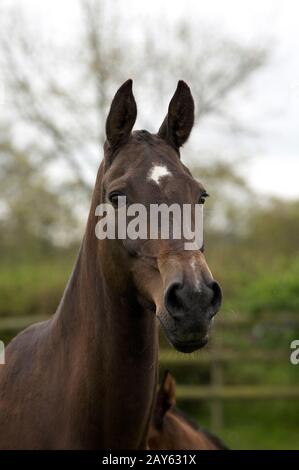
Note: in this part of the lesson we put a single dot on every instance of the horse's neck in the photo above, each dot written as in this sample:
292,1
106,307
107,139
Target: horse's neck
112,346
95,316
94,307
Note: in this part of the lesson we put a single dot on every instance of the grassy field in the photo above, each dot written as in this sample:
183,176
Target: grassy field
255,424
33,288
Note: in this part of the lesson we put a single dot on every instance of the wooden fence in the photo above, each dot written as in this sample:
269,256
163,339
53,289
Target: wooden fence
216,356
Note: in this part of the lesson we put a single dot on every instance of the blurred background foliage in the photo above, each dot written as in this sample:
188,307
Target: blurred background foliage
51,134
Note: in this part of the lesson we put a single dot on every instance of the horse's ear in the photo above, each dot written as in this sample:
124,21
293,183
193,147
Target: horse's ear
122,115
168,390
179,121
165,398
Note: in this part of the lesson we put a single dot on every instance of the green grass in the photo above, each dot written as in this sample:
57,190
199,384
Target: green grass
270,425
32,288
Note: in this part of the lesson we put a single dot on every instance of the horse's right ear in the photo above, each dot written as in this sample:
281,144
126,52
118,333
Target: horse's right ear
122,116
179,121
166,398
168,390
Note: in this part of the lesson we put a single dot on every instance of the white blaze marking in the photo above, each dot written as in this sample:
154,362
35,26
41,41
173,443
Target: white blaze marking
196,277
157,172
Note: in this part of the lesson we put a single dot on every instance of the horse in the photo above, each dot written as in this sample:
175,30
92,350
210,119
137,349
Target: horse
171,429
79,379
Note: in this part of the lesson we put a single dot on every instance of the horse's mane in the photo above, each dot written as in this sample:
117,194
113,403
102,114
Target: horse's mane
214,439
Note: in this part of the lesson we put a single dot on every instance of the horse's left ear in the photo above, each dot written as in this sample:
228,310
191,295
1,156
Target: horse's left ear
179,121
122,115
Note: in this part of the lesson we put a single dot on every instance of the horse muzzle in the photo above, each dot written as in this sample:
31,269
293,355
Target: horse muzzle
188,312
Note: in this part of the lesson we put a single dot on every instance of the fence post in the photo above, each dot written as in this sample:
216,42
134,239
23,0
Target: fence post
216,381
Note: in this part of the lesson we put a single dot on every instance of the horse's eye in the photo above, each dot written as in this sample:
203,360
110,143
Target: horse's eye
117,199
202,198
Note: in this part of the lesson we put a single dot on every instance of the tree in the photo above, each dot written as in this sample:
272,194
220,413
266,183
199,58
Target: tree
58,97
35,216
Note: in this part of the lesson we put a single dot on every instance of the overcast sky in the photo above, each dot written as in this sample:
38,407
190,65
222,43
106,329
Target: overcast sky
274,101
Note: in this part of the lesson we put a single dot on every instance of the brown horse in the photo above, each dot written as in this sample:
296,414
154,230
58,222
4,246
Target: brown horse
81,378
170,429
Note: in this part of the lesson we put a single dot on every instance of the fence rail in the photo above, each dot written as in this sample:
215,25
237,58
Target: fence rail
16,324
232,392
168,357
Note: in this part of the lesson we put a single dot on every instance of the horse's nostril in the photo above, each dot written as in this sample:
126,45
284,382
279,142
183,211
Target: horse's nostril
173,301
217,295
